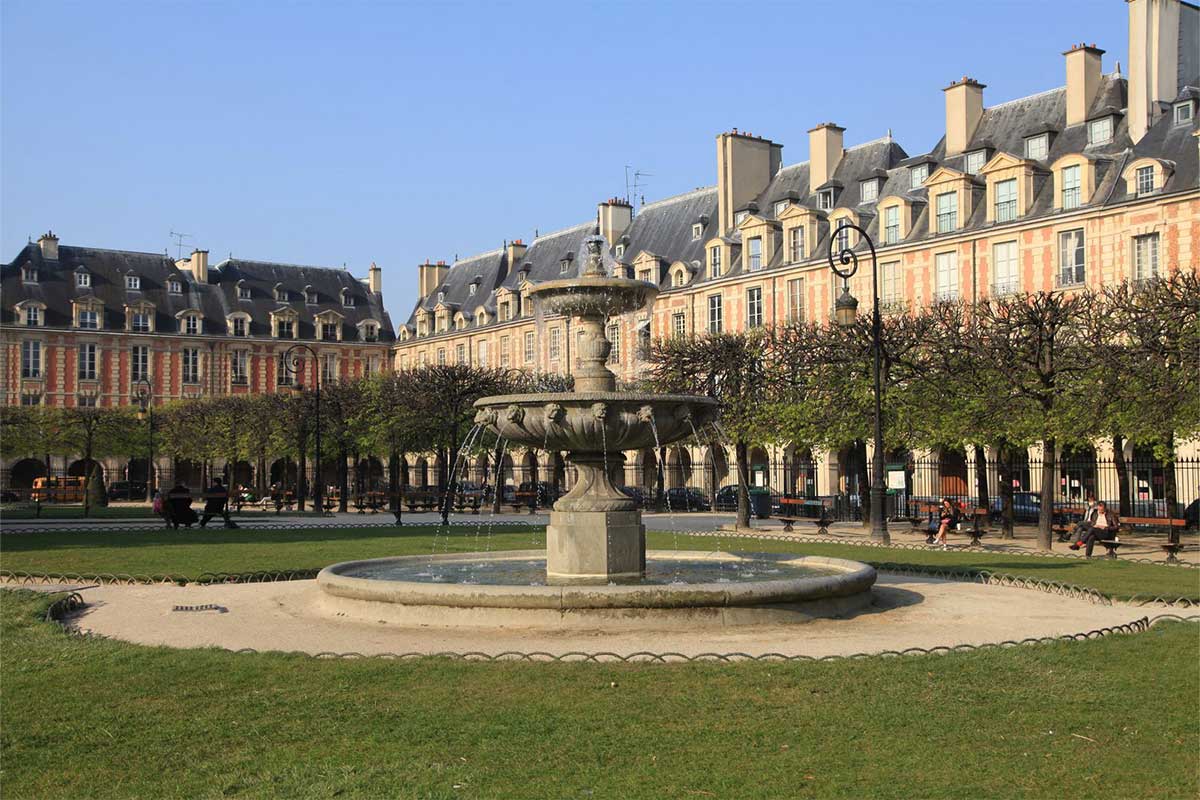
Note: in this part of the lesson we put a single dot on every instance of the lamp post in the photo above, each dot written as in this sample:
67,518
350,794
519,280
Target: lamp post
292,363
844,263
145,398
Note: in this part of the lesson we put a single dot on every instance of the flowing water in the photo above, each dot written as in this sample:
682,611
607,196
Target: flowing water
442,526
667,497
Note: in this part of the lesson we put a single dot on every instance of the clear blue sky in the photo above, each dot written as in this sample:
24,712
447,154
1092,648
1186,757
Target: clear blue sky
329,133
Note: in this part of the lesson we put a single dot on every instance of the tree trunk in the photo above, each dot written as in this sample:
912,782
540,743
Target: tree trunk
742,455
1170,489
1005,475
343,480
1046,511
301,480
984,499
864,482
394,480
1123,493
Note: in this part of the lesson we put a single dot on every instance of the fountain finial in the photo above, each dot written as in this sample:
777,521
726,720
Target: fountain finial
595,264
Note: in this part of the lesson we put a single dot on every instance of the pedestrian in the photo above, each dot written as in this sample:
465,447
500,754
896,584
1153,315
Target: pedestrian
216,504
179,500
1104,525
947,516
162,507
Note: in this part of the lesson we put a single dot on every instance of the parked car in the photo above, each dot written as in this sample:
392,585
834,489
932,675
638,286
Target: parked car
546,493
1026,507
726,499
686,499
126,490
9,496
635,493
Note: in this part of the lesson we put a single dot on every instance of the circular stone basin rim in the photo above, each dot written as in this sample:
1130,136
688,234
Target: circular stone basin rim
853,577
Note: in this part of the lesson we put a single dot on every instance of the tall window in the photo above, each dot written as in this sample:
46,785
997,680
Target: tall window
1145,257
529,349
191,365
754,307
89,319
890,289
83,280
613,334
133,282
33,316
755,248
239,326
697,231
329,331
237,367
1145,180
139,322
460,353
483,354
31,399
441,356
714,263
1036,147
191,324
87,362
1070,257
372,365
946,267
947,212
843,237
555,343
795,293
31,358
714,313
1100,131
679,325
139,362
1006,200
891,225
917,176
1004,261
1070,187
329,370
796,244
504,351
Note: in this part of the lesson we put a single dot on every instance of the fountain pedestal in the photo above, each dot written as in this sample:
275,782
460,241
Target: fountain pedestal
595,534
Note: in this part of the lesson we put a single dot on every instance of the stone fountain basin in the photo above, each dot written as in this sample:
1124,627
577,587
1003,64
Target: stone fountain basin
593,295
846,591
595,421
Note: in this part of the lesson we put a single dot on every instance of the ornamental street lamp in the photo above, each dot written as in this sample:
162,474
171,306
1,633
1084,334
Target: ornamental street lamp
844,264
292,363
145,398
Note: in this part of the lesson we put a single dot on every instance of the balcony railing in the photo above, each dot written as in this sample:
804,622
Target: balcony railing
1006,286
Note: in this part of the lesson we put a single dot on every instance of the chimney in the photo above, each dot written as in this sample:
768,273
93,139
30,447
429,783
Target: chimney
516,252
1156,27
964,107
200,266
375,279
824,153
429,277
48,244
745,166
1083,81
613,216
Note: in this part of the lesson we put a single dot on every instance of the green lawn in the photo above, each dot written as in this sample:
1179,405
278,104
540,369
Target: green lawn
193,552
98,718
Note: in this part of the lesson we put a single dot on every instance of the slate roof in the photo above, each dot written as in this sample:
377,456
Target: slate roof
215,298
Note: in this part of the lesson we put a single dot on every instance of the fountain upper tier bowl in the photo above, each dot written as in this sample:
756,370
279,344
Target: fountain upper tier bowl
592,295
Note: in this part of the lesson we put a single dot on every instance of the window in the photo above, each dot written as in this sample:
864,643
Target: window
891,293
281,294
1070,257
441,297
697,231
139,362
796,244
947,212
795,294
329,370
133,282
89,319
83,280
284,329
502,312
1145,257
679,278
29,274
714,263
564,266
372,365
754,307
191,324
714,313
237,368
371,332
329,331
31,399
891,225
1144,180
31,359
33,316
87,362
243,292
527,306
239,326
1183,113
946,268
868,191
555,343
842,234
1005,279
441,356
86,401
460,354
825,200
975,161
191,365
529,349
620,250
504,351
139,322
754,246
613,334
285,376
1100,131
644,275
1006,201
174,287
917,176
1070,187
310,296
1036,147
678,325
643,340
471,290
740,217
348,300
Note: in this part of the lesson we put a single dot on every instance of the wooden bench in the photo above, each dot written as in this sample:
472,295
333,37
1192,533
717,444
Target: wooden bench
1172,549
790,512
523,499
1110,547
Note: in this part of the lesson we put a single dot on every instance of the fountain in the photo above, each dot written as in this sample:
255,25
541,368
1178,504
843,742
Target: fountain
595,564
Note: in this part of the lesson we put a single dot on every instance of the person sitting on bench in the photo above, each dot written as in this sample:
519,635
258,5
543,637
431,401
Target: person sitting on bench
1103,525
216,504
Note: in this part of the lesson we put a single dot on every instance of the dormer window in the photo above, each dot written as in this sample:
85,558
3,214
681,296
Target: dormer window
33,316
697,231
1183,113
868,191
347,299
83,280
281,294
780,207
284,329
754,253
329,331
644,275
190,324
481,318
620,249
238,327
714,262
740,217
825,200
370,332
133,282
564,266
174,286
441,297
1145,180
975,161
29,274
679,278
139,321
471,291
1100,131
917,176
243,291
1037,147
310,295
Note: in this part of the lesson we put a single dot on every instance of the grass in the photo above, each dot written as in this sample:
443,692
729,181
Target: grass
193,552
99,718
25,511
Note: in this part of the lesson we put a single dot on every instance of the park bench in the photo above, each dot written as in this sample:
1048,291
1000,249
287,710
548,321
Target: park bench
1171,548
975,531
521,499
792,511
